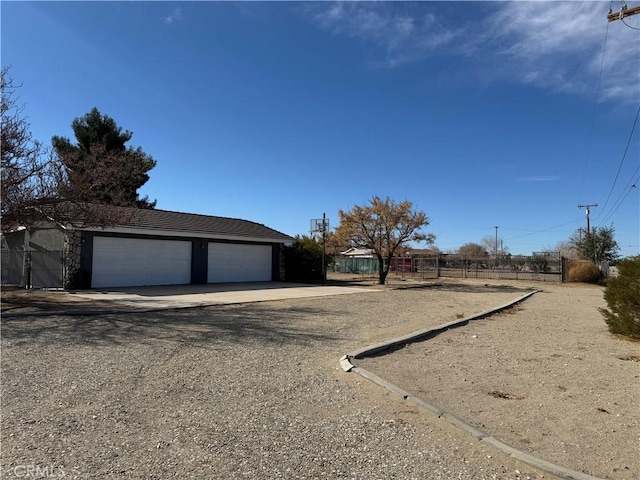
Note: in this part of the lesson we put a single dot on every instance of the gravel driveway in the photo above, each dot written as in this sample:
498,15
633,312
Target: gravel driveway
236,391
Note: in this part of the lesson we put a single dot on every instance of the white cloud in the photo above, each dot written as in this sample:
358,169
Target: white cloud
174,17
560,46
402,31
551,45
534,29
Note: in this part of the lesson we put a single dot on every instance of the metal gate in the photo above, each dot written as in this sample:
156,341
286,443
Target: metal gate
12,267
40,269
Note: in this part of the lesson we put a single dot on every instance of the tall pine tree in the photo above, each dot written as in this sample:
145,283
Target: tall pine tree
100,168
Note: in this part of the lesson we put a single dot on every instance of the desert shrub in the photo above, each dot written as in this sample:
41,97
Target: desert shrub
583,271
622,295
303,260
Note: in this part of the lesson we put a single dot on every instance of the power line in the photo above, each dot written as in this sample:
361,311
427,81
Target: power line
630,26
542,231
624,155
633,184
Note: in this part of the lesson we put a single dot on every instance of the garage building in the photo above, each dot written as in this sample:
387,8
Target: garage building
159,247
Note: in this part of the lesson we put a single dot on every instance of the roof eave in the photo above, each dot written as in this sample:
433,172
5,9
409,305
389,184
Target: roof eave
192,234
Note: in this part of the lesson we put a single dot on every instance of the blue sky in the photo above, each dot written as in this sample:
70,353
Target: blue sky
483,114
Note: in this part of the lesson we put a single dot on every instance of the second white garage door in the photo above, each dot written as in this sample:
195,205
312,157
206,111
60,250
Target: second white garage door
232,262
128,262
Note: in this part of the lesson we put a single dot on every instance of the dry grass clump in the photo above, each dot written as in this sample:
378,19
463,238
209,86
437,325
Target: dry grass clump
583,271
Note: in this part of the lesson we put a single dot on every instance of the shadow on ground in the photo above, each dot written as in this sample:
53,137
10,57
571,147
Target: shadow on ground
485,288
197,326
39,301
451,285
173,290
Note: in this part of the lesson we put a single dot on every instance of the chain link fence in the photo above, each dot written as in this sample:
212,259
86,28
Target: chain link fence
541,266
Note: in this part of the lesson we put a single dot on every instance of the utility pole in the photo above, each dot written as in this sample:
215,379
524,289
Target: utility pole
623,13
324,248
588,207
321,225
496,248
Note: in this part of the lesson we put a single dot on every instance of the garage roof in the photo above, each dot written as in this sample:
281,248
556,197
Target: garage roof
191,222
159,222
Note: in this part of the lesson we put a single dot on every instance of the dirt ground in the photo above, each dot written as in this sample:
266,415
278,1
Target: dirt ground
254,390
32,301
545,377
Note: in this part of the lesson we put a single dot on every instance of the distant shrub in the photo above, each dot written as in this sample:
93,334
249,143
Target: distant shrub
303,261
583,271
622,295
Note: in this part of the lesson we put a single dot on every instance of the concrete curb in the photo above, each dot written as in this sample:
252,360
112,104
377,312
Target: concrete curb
431,332
390,345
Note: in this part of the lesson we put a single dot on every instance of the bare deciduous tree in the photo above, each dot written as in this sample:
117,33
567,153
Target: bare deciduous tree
385,227
473,250
493,247
35,182
28,172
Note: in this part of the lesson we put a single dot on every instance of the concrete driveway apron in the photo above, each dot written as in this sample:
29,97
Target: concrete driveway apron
184,296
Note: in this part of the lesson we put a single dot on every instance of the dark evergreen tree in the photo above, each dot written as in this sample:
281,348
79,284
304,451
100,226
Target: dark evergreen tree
100,168
303,260
597,245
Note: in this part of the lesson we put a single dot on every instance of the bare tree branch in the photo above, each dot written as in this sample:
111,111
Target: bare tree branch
36,185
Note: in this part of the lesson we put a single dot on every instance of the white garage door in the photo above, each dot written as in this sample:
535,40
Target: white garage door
125,262
232,262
